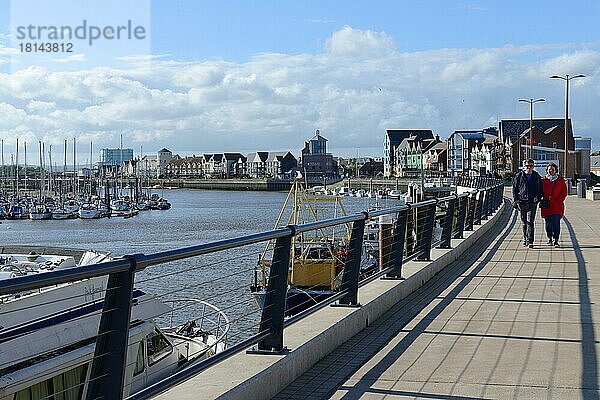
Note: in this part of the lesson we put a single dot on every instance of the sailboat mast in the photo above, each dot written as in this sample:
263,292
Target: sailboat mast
64,179
43,163
51,182
41,187
74,170
3,169
17,171
91,177
25,146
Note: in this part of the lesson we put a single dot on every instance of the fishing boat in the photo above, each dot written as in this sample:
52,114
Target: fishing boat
47,337
317,258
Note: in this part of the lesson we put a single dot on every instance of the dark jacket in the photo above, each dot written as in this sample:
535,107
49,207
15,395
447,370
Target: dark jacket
524,190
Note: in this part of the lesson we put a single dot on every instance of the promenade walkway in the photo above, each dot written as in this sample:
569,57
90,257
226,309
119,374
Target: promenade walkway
502,322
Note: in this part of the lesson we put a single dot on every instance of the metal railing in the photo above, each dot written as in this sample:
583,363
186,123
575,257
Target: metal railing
413,230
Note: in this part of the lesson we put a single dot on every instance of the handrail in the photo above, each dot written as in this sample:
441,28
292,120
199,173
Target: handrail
130,264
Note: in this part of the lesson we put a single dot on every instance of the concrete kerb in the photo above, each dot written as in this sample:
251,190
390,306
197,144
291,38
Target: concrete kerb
246,376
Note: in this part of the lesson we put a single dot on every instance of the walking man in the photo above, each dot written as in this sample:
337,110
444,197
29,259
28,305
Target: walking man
527,192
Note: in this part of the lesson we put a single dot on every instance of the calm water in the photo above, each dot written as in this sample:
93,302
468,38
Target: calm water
196,217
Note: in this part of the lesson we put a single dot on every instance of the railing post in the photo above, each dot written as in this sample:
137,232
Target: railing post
397,254
426,233
110,355
447,228
351,270
486,204
470,212
410,228
478,208
273,312
490,205
460,218
500,193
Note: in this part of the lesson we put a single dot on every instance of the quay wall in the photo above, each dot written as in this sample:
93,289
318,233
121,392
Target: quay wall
228,184
281,185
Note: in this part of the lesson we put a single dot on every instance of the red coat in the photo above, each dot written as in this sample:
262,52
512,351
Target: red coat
557,199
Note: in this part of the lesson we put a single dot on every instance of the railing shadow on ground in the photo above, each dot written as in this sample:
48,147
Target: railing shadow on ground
431,291
454,214
589,378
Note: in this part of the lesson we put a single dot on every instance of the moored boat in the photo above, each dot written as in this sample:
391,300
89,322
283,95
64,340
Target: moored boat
48,336
317,259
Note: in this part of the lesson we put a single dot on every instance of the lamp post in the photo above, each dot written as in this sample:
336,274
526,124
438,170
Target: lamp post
567,78
531,102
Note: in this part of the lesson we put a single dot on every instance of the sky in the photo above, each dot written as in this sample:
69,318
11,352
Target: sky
203,77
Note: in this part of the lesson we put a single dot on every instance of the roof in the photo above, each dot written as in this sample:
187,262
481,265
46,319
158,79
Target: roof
439,146
233,156
514,128
489,139
470,135
181,161
396,136
259,156
318,136
279,155
164,150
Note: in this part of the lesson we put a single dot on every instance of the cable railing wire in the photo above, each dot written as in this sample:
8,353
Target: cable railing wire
419,224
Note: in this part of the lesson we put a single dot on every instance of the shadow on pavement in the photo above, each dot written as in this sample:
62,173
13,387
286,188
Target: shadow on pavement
589,379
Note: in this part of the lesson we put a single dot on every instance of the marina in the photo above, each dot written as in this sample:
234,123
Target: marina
219,270
48,337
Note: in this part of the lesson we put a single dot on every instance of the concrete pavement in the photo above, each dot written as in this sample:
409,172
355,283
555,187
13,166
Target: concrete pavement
511,322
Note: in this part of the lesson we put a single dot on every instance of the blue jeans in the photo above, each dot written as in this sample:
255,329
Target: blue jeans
553,226
527,211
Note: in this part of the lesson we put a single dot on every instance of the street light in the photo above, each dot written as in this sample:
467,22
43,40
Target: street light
566,78
531,102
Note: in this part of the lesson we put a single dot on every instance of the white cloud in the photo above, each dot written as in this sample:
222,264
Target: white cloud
357,43
69,59
359,86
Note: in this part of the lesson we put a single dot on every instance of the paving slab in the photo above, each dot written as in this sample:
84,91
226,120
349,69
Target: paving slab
511,322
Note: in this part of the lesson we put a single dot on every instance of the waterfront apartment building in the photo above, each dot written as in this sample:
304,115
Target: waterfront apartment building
392,139
548,142
274,164
595,165
261,164
113,160
472,152
163,156
115,157
435,159
317,164
149,165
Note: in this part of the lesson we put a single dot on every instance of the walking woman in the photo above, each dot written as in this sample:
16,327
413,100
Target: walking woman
555,190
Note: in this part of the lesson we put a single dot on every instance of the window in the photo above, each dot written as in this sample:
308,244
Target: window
158,347
65,386
139,360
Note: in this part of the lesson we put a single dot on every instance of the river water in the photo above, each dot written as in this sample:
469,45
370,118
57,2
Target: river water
196,217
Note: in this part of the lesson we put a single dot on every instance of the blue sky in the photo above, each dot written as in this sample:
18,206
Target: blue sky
236,30
263,75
